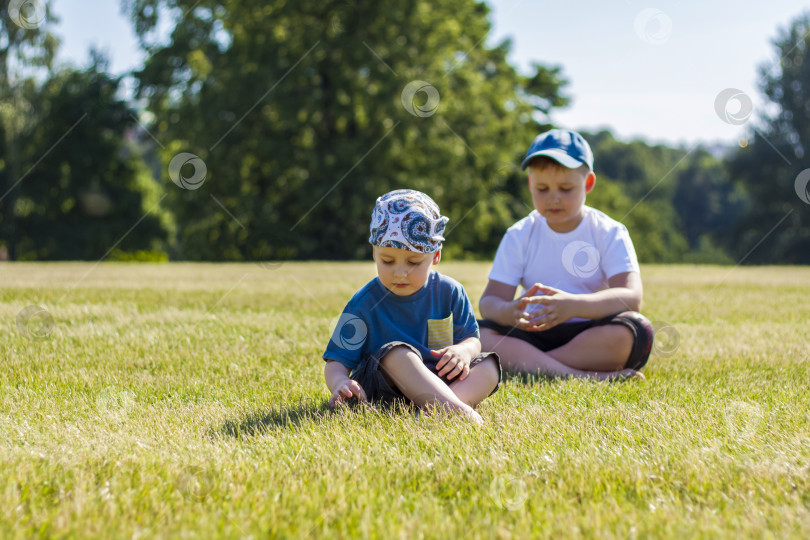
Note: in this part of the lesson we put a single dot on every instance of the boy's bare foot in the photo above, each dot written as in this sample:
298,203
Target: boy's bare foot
625,375
468,413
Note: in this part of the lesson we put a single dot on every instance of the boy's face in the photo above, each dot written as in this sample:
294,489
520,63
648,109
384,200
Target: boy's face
401,271
558,194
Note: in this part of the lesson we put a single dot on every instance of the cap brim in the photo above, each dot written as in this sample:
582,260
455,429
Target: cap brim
557,155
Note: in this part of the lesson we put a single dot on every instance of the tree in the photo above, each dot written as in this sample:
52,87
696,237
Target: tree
775,227
302,113
652,224
27,49
84,196
705,198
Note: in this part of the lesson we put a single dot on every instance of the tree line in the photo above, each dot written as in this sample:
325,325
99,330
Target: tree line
264,130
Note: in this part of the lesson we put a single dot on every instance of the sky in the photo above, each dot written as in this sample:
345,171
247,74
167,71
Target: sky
643,70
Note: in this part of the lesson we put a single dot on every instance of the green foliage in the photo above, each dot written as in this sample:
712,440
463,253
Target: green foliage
299,111
678,204
141,255
705,198
707,252
776,225
650,223
644,170
69,188
27,50
85,193
296,110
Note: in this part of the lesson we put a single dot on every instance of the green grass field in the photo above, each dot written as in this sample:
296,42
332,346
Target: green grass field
187,400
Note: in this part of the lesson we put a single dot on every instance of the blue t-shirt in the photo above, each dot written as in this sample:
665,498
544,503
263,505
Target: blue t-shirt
438,315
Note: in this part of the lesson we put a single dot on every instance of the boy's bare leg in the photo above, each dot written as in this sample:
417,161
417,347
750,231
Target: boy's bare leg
407,371
480,382
601,348
518,355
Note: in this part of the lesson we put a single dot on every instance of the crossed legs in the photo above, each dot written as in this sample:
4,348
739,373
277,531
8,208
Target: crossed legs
599,352
405,369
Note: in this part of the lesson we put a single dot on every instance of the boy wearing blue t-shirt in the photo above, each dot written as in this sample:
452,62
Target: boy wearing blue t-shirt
410,333
578,312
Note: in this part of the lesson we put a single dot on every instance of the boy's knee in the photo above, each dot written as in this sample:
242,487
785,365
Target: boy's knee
624,339
399,353
397,358
616,339
492,370
642,336
489,372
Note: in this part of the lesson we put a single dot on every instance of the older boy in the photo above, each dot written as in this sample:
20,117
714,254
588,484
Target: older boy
578,314
410,333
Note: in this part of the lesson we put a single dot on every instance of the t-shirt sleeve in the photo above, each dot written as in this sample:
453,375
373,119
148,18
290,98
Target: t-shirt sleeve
348,338
464,323
618,255
508,264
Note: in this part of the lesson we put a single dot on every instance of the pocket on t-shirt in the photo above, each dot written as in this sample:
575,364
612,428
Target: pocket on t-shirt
440,332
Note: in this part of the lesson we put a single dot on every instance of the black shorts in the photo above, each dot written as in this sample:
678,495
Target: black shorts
547,340
378,388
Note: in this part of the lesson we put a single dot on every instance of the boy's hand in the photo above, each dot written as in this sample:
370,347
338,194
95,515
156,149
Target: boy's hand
557,308
347,390
520,317
454,361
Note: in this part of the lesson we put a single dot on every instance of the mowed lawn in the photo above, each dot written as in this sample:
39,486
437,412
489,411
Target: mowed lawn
187,401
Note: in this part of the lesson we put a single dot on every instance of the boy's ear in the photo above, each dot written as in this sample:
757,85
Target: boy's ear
589,182
437,257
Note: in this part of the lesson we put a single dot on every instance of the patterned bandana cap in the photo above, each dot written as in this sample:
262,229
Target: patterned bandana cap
407,219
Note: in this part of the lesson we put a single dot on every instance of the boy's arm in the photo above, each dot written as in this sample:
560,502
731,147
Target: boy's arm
339,383
625,293
498,303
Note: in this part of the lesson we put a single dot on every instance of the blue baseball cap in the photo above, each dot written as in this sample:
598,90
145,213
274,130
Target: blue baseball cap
564,146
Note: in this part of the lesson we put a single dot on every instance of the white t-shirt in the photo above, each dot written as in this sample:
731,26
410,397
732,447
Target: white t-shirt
580,261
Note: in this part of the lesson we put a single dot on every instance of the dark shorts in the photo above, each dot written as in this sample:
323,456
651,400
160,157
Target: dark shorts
378,388
559,335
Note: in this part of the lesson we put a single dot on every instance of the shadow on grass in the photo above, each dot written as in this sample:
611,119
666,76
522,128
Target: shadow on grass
278,418
286,418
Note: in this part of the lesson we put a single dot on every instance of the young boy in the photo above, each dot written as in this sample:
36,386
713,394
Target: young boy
578,314
410,333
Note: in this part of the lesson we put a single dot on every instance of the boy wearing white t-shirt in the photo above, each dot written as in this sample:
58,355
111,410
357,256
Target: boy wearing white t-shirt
578,313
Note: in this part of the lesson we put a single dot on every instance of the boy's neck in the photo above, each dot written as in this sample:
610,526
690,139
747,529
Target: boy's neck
569,225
